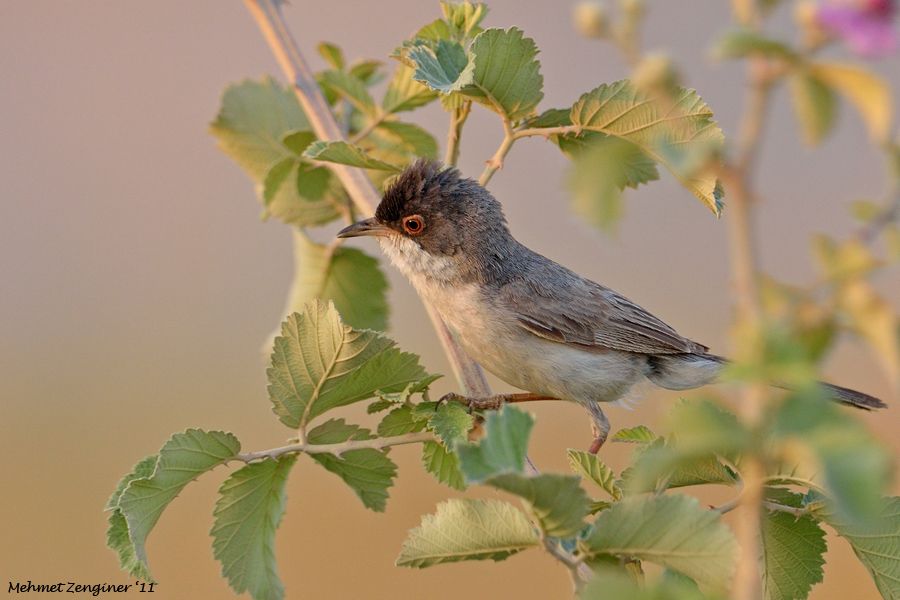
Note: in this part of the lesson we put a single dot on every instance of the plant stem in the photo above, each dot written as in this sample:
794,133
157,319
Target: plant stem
267,14
337,449
744,262
454,133
496,161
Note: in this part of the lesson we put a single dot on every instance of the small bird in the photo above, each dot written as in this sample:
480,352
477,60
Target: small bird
525,318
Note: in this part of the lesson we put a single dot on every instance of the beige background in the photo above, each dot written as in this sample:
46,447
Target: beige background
137,282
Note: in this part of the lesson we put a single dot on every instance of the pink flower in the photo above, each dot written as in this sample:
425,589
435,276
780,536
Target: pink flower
865,25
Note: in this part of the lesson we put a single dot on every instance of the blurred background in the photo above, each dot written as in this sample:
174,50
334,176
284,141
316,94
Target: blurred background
138,284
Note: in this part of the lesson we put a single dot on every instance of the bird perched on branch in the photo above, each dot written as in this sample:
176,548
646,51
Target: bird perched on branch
528,320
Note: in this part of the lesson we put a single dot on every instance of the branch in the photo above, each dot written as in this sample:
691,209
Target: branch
267,14
454,134
337,449
496,161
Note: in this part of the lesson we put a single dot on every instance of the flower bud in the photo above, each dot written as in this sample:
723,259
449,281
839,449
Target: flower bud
590,19
655,72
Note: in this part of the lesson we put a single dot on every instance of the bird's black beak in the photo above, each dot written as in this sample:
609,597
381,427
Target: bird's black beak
365,227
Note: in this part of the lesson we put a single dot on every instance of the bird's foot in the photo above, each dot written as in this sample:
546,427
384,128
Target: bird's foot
599,427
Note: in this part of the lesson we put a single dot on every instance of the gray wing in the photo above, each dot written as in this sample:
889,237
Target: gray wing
577,311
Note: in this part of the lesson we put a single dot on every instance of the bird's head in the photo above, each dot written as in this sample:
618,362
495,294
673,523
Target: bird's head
432,222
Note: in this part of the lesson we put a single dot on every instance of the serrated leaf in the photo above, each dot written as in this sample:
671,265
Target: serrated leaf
368,472
451,422
368,71
332,54
468,529
792,555
182,459
602,168
636,435
346,154
557,501
399,421
869,93
443,66
673,531
117,537
319,363
416,387
815,106
876,543
465,17
252,120
507,77
679,133
298,193
248,512
443,464
379,405
501,450
347,276
589,466
350,88
746,42
852,464
409,138
405,93
610,582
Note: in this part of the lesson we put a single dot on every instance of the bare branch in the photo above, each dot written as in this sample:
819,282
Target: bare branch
337,449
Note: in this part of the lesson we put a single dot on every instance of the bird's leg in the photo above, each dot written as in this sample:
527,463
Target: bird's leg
493,402
599,426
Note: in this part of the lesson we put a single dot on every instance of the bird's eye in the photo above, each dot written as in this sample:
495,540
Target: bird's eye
414,225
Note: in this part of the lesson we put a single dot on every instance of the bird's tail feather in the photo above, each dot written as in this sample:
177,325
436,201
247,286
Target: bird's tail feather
687,371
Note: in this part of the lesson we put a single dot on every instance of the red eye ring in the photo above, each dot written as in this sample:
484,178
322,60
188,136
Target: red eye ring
414,224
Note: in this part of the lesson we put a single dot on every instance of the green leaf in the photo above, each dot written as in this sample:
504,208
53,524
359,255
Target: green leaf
117,537
350,88
499,71
589,466
501,450
673,531
405,93
252,120
507,76
332,54
367,71
182,459
681,133
557,501
745,42
379,406
416,387
444,67
792,556
468,529
346,154
613,583
602,169
319,363
854,466
348,277
636,435
876,543
298,193
399,421
815,106
248,511
367,471
869,93
451,422
443,464
464,17
409,138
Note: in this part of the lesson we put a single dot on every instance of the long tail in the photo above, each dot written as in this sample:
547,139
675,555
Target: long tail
688,371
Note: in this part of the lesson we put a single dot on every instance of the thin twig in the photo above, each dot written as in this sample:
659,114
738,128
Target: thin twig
496,161
792,510
267,14
454,133
337,449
